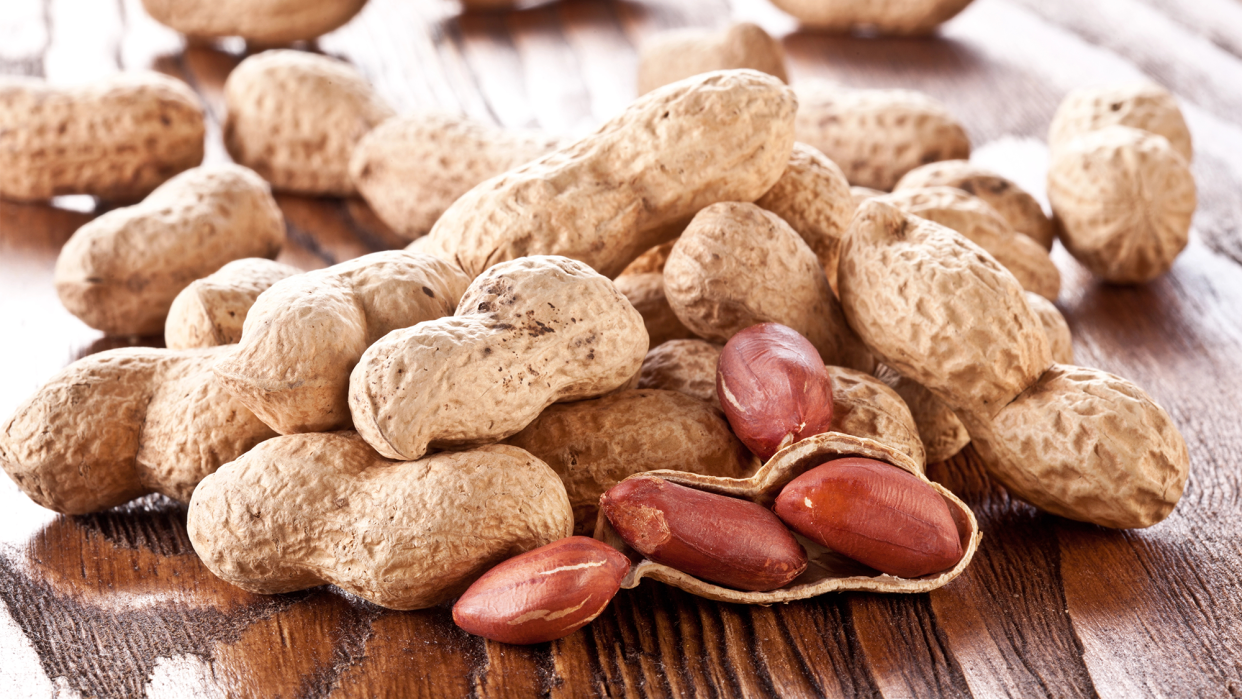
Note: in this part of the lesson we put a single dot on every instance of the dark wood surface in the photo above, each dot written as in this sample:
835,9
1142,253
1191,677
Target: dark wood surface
118,605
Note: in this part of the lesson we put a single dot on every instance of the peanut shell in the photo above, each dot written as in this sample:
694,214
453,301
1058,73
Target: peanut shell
1145,106
266,22
678,54
211,311
827,572
900,17
651,261
941,432
1060,341
685,366
646,293
862,406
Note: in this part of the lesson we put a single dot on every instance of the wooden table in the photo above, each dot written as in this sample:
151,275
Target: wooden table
117,604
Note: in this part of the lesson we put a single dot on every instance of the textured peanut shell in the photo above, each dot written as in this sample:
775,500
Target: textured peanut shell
1087,445
116,139
1145,106
682,53
862,406
983,226
595,444
608,198
646,293
528,333
685,366
211,311
309,509
120,272
860,194
269,22
651,261
295,117
1124,200
737,265
877,136
411,168
940,310
124,423
943,435
1060,341
827,572
1013,203
900,17
304,335
813,197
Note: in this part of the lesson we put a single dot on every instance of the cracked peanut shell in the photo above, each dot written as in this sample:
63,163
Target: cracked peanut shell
309,509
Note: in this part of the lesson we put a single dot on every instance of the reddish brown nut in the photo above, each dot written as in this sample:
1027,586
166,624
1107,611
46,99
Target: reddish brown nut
544,594
875,513
736,543
773,387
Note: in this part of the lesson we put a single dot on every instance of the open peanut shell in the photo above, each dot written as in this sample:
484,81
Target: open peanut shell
828,571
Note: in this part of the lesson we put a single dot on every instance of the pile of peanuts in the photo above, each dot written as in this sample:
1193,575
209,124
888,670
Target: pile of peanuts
710,322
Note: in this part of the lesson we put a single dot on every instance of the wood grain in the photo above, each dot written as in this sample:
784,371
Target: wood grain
117,604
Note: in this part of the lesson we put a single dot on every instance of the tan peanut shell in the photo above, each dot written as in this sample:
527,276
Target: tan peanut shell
646,293
123,423
860,194
295,117
862,406
983,226
1060,341
1087,445
265,22
211,311
304,335
651,261
901,17
682,53
1013,203
938,309
411,168
120,272
813,197
1145,106
608,198
595,444
116,139
877,136
528,333
685,366
737,265
1124,200
943,435
827,572
309,509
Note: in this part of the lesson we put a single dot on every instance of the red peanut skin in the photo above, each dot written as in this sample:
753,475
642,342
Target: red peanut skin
773,387
733,542
544,594
875,513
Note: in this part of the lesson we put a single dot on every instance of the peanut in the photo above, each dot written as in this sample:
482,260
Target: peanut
411,168
813,197
1060,342
774,388
877,136
737,265
594,444
939,310
124,423
685,366
304,334
1145,106
295,118
860,194
269,22
646,293
544,594
941,432
308,509
116,139
211,311
527,333
724,136
874,513
983,226
728,541
121,272
1013,203
864,407
902,17
1124,200
682,53
651,261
